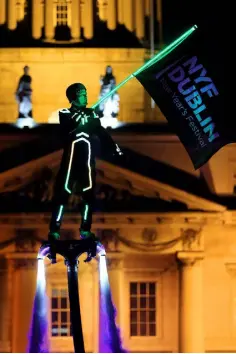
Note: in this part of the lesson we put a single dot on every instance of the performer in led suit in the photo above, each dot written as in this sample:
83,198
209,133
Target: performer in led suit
77,169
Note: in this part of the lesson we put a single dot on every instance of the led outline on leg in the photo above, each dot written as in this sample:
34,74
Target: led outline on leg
60,212
86,212
71,156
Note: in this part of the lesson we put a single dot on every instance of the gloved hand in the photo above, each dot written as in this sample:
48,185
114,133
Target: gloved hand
118,151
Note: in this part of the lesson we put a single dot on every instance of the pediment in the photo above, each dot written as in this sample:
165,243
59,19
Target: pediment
25,241
114,181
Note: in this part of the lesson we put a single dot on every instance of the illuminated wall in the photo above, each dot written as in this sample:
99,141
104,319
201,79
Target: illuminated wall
205,321
52,70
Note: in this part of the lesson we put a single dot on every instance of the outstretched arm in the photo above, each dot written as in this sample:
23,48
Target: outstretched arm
107,143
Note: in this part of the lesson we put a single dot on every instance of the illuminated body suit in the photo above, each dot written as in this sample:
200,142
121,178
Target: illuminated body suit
77,169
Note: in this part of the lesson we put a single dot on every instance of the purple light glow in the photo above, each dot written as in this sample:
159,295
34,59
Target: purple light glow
43,252
109,335
38,336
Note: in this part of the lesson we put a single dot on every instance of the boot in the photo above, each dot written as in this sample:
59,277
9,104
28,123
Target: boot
86,234
53,236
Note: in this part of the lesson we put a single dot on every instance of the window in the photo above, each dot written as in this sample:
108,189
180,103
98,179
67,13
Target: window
60,313
62,12
142,309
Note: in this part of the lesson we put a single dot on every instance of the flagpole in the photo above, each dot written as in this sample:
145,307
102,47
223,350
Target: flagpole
152,49
151,61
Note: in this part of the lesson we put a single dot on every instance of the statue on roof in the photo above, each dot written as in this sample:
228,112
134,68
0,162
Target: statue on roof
108,109
23,96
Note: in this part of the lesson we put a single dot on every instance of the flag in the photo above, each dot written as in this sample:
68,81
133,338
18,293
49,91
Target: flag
188,86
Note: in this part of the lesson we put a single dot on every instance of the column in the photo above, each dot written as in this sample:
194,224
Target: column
159,19
111,18
88,20
191,331
95,307
20,11
2,12
5,305
102,10
128,15
42,7
231,269
49,28
11,19
147,7
120,11
116,276
75,19
24,287
36,19
10,296
3,284
139,18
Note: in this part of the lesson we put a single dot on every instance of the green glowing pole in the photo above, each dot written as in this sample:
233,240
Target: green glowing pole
155,59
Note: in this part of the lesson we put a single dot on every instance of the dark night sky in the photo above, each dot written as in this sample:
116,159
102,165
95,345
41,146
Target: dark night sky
181,14
178,15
